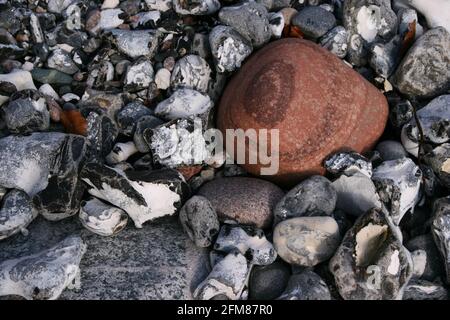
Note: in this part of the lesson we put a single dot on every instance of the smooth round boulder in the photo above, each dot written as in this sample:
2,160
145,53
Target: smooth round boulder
249,201
316,102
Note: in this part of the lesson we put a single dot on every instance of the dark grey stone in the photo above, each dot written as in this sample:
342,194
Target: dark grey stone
434,266
312,197
391,150
129,116
335,41
144,123
348,163
268,282
26,112
385,56
51,76
314,21
60,60
306,285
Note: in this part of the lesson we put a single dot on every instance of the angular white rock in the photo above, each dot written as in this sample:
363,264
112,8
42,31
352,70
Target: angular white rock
191,71
162,79
45,275
101,218
250,242
121,152
227,278
48,90
183,103
398,184
356,194
139,75
436,12
110,4
160,5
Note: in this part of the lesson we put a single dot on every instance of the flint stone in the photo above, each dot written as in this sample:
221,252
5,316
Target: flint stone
61,61
143,195
425,73
373,244
145,123
268,282
306,241
228,48
287,76
184,103
199,221
196,7
433,267
250,20
336,41
192,72
312,197
438,160
314,21
398,184
26,114
101,218
16,213
356,194
348,163
135,43
62,196
440,229
306,285
122,267
248,201
128,117
391,150
250,242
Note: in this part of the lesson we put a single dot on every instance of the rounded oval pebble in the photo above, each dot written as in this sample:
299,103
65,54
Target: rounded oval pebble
101,218
248,201
391,150
276,89
306,241
268,282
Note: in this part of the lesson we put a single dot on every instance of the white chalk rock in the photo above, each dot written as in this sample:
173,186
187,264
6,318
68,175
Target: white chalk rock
228,278
162,79
191,71
101,218
398,184
121,152
183,103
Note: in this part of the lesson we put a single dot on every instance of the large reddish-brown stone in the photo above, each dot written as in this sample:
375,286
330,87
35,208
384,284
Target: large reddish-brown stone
319,104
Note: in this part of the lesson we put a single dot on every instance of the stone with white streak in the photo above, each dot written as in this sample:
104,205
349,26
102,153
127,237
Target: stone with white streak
121,152
20,79
196,7
192,72
398,184
371,263
228,48
144,195
101,218
249,241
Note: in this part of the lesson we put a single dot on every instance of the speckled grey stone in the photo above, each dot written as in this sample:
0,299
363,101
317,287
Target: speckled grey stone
157,262
250,20
199,221
128,117
440,229
425,290
424,72
246,200
335,41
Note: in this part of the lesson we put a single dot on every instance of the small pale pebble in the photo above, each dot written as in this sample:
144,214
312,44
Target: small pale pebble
162,79
110,4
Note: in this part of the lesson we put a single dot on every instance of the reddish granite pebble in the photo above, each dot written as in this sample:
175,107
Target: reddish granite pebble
248,201
319,104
